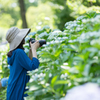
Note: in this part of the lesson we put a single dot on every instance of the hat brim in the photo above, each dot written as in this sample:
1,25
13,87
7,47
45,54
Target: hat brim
18,39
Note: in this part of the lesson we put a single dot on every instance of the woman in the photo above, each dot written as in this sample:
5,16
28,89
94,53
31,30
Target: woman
19,63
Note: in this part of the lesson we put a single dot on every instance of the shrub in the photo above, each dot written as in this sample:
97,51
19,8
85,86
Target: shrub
70,58
4,71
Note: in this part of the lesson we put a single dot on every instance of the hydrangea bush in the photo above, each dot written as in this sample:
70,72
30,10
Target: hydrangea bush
4,71
70,58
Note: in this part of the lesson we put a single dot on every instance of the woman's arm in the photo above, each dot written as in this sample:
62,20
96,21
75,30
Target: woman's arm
0,85
23,60
30,54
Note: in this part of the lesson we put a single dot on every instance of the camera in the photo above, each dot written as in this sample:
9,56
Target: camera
41,42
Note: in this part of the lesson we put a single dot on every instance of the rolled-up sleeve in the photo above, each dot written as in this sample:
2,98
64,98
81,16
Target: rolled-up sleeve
25,62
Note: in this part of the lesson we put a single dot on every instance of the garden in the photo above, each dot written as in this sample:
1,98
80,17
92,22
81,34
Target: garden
70,57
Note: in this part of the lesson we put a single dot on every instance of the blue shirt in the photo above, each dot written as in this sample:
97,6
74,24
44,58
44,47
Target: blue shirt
19,63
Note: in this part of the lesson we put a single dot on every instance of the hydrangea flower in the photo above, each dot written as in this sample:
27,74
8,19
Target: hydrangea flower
88,91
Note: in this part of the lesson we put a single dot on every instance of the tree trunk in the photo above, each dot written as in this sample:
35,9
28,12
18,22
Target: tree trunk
22,12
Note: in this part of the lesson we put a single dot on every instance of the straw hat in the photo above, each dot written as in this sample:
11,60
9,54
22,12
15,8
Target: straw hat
15,36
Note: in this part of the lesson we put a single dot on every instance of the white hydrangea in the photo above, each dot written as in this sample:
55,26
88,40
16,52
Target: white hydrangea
88,91
43,34
86,36
80,17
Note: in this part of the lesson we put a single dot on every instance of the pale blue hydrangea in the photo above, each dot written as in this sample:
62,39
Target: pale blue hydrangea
4,82
43,34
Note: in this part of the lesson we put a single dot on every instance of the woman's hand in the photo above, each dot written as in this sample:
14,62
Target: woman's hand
0,85
35,45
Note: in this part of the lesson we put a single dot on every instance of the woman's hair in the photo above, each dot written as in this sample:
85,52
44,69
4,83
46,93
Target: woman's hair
9,54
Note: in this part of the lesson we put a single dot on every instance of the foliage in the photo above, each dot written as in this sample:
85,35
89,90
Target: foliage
70,58
37,17
4,71
2,35
58,11
9,13
68,10
83,6
61,11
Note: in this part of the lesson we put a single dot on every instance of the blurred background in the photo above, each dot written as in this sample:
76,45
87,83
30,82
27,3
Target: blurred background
35,14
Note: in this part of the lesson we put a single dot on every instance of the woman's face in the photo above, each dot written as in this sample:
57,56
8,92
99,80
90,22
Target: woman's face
21,44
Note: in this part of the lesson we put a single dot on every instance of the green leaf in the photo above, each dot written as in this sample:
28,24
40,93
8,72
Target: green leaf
61,82
40,92
87,70
53,81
